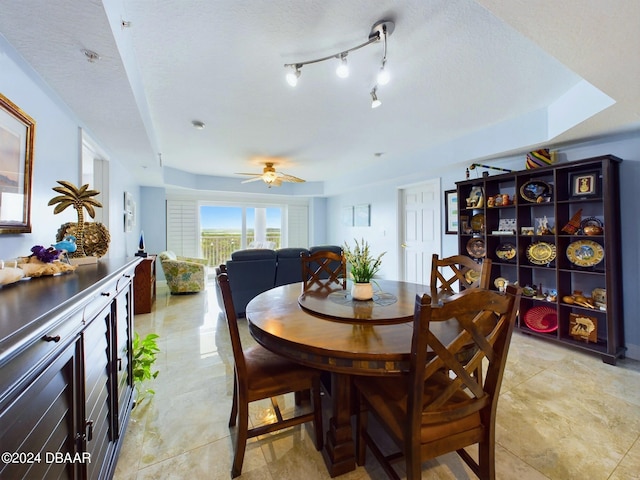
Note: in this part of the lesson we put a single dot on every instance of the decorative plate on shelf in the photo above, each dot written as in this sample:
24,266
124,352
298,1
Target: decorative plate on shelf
541,319
533,189
471,276
541,253
585,253
506,251
476,248
500,282
477,222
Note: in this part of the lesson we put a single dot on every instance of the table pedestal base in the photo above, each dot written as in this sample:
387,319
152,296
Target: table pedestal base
339,447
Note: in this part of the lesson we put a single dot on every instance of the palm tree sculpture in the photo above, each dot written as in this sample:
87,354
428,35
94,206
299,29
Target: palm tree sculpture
80,199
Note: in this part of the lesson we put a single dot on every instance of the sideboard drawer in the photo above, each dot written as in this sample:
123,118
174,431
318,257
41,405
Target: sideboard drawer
27,364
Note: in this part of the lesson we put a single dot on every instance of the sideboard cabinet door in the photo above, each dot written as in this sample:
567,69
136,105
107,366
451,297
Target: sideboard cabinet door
42,421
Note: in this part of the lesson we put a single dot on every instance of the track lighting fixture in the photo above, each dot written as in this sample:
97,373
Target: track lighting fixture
380,31
343,69
292,77
375,103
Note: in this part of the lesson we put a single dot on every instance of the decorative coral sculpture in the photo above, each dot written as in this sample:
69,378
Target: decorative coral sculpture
80,199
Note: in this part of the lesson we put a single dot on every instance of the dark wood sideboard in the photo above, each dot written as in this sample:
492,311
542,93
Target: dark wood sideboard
144,285
66,389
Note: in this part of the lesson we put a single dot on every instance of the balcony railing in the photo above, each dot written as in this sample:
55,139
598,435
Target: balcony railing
217,248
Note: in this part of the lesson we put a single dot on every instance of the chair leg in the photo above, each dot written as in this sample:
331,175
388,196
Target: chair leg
234,405
241,440
486,461
413,463
317,414
362,421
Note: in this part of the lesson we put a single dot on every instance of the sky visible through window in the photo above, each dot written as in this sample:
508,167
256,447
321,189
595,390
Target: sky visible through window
213,217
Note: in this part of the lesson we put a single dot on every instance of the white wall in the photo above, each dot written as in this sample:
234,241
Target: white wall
56,157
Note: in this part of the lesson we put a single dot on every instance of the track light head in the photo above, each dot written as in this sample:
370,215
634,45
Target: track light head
375,103
292,77
343,68
383,75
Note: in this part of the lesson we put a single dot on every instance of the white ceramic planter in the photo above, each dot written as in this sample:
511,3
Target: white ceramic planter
362,291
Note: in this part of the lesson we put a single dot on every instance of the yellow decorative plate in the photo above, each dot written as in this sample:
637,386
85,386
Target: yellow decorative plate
471,276
477,222
500,282
585,253
506,251
541,253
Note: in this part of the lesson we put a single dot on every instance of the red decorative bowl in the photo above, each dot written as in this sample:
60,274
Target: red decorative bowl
541,319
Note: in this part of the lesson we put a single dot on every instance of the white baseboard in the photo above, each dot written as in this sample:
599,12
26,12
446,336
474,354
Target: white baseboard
633,351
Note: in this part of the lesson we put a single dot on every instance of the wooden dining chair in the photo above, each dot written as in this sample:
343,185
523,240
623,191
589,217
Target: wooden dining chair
439,406
322,268
460,270
260,374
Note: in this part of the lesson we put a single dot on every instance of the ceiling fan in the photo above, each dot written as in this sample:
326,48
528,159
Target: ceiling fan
271,177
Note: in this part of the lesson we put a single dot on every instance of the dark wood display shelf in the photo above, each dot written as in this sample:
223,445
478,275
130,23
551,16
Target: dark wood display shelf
559,274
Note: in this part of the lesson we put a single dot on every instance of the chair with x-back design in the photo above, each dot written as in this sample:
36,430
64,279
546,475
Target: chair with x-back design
440,406
323,268
460,270
261,374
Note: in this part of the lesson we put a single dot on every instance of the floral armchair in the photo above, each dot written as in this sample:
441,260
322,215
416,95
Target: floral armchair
183,274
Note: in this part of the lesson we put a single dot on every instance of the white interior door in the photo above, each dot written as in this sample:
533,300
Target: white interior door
421,206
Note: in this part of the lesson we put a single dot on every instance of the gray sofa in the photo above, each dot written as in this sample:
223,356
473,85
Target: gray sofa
253,271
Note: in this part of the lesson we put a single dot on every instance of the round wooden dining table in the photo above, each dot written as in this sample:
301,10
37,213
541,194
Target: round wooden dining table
326,329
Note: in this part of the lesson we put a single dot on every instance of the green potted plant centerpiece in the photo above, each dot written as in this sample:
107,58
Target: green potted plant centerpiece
363,266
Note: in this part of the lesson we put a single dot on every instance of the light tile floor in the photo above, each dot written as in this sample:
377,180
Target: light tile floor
562,414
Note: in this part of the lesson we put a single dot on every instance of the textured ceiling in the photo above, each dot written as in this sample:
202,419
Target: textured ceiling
459,67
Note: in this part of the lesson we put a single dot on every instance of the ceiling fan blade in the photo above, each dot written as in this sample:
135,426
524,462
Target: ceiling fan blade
251,174
252,179
290,178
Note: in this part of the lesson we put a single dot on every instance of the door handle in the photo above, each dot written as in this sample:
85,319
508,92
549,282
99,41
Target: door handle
89,430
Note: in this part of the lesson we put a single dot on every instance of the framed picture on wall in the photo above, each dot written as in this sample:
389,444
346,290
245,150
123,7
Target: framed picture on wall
129,212
362,215
347,216
17,134
451,212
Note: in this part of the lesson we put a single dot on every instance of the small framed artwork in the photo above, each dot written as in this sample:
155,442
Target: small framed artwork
584,184
129,212
451,212
17,136
362,215
583,327
347,216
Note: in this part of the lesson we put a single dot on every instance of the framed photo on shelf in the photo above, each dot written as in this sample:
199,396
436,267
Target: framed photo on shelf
451,212
583,327
17,134
584,184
